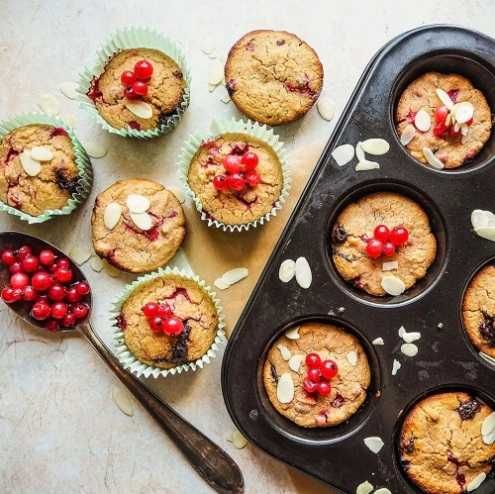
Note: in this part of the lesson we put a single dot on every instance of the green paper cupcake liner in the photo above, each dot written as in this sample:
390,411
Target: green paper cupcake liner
124,39
85,180
261,132
135,366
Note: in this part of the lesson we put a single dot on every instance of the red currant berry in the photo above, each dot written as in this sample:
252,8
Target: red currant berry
64,275
52,325
156,324
19,280
164,311
252,179
72,295
324,388
220,182
41,281
173,326
143,70
69,320
47,257
454,132
250,161
129,93
439,130
150,309
313,360
9,295
140,88
399,236
314,374
127,78
441,114
56,293
232,163
82,287
30,264
310,386
470,122
40,311
381,233
59,310
23,252
15,268
374,248
81,310
236,182
29,294
8,257
329,369
63,263
388,249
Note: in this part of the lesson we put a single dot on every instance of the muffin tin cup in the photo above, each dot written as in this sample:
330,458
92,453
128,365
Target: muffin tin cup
83,163
125,39
135,366
254,129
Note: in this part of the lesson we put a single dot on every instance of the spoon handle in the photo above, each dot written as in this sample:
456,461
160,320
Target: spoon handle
216,467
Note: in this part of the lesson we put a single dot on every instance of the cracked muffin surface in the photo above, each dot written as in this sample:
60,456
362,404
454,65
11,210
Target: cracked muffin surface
57,179
355,225
478,310
348,388
441,446
229,207
273,76
165,89
452,151
129,247
189,302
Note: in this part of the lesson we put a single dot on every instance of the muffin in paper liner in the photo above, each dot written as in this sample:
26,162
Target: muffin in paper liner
254,129
135,366
83,163
124,39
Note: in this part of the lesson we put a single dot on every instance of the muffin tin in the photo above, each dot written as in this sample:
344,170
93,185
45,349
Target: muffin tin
446,358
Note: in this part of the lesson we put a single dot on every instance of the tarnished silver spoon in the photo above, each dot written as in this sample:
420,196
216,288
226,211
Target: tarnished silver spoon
216,467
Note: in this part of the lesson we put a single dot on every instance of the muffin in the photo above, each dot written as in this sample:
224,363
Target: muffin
273,76
167,345
308,348
137,225
441,445
443,120
138,89
39,171
478,310
380,238
236,177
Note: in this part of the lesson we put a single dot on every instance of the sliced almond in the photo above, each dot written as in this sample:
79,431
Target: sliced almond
137,203
42,153
225,99
395,367
96,264
411,337
375,146
393,285
360,152
432,159
364,488
374,443
69,89
287,270
235,275
402,331
111,215
408,135
343,154
293,334
487,232
445,98
80,253
463,112
390,265
49,104
216,74
295,362
285,388
142,220
422,121
95,149
123,400
304,276
141,109
409,349
352,358
325,108
30,166
238,440
488,429
378,341
482,219
366,165
284,351
383,490
221,284
476,482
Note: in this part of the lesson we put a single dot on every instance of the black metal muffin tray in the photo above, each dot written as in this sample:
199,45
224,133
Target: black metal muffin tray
446,358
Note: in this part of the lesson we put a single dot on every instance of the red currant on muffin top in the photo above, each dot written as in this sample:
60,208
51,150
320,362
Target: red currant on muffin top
136,81
162,319
385,242
319,374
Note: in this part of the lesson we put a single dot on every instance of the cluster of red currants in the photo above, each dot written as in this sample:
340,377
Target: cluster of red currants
47,283
385,242
319,374
241,172
162,320
136,81
446,127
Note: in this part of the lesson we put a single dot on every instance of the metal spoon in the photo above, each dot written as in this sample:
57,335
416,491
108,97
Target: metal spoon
216,467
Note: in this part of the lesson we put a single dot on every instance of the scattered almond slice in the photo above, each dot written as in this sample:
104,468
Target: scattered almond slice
486,232
30,166
49,104
69,89
374,443
395,367
408,135
80,253
284,351
216,74
293,334
123,400
378,341
364,488
141,109
285,388
96,264
445,98
411,337
207,49
225,99
111,215
422,121
476,482
95,149
402,331
488,429
137,203
409,349
375,146
304,276
287,270
390,266
325,108
482,219
383,490
432,159
343,154
352,358
393,285
221,284
238,440
142,220
42,153
212,87
360,152
463,112
295,362
366,165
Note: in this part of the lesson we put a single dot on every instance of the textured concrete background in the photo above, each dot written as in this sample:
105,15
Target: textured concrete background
60,430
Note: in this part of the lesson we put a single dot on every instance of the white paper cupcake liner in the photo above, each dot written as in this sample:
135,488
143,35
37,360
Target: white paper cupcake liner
83,163
124,39
127,358
255,129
